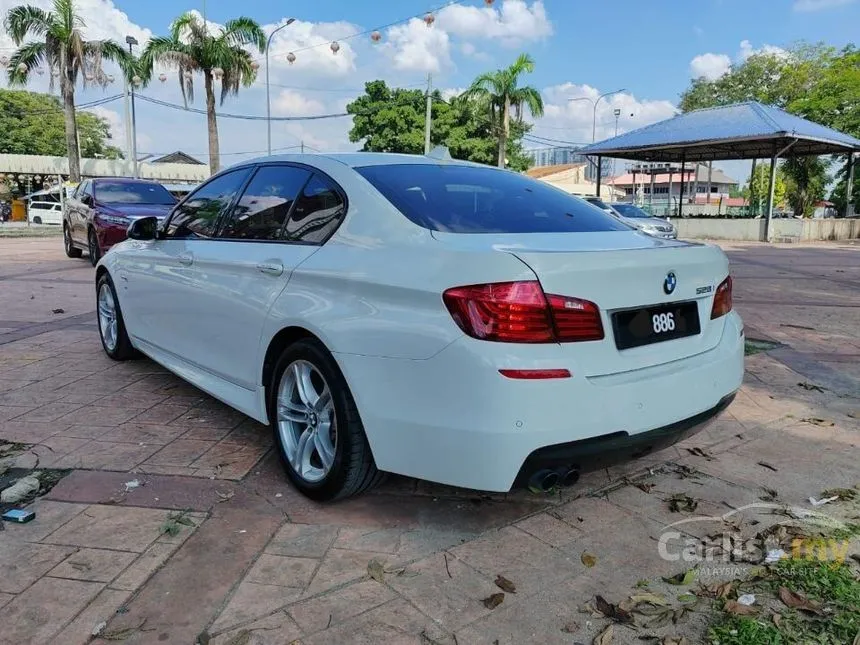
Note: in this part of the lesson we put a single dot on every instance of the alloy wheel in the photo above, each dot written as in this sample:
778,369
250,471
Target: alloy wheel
306,421
67,239
108,324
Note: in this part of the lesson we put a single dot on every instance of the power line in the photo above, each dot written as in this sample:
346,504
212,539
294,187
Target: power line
246,117
59,109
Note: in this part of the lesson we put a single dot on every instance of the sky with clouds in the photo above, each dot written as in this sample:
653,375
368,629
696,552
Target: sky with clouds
582,49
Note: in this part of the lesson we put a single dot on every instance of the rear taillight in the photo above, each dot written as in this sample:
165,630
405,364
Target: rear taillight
722,299
520,312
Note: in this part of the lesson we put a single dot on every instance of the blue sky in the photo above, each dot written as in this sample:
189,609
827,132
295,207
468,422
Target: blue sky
581,48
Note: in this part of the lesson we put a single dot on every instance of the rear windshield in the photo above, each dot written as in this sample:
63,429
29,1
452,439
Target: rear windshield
629,210
127,192
469,199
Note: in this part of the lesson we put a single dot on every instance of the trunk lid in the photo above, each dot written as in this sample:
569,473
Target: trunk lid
617,270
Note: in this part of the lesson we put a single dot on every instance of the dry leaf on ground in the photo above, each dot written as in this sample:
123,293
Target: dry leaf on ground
612,611
683,578
376,570
243,637
604,637
679,502
736,608
587,559
505,585
796,601
817,421
494,600
764,464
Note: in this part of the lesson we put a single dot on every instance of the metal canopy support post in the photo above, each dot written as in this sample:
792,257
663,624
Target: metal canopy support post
683,178
849,185
695,182
599,172
634,187
710,173
752,185
770,188
669,195
651,195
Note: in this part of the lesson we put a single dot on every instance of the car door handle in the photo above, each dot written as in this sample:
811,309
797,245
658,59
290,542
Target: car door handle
272,268
186,259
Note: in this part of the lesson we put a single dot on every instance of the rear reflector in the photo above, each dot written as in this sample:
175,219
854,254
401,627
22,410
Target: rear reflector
520,312
535,374
722,299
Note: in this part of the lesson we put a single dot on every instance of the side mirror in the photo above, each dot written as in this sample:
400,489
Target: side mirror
145,228
86,200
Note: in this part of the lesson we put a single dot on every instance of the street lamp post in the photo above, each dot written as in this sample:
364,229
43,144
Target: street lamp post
132,41
268,100
594,103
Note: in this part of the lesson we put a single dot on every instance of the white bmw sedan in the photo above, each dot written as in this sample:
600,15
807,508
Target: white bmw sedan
438,319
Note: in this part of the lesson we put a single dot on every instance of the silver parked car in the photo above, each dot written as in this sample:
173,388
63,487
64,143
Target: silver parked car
644,221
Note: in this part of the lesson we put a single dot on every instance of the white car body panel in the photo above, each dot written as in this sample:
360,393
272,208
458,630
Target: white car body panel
431,399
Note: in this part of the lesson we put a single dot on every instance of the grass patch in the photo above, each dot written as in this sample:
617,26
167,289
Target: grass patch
753,346
36,230
832,586
174,523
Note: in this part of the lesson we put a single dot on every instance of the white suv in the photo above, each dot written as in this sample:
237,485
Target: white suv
45,212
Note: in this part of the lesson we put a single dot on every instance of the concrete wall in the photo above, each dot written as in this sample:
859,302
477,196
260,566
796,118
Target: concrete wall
751,230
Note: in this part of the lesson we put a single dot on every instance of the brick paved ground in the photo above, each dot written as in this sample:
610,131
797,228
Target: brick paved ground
251,561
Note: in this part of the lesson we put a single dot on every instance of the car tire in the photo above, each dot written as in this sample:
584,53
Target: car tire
71,250
93,246
111,324
37,220
351,469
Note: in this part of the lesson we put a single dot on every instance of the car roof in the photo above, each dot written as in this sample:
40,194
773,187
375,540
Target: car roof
359,159
130,180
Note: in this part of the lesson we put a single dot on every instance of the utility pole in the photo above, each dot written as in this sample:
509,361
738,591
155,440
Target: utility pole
428,115
131,41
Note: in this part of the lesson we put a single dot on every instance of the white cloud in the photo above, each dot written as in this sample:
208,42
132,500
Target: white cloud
711,66
746,50
293,103
513,23
818,5
415,47
567,120
450,92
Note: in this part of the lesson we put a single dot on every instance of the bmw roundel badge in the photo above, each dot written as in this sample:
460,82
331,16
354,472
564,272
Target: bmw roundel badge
670,283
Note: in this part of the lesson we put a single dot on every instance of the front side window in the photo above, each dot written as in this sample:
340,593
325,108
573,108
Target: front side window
198,215
262,210
474,199
128,192
318,212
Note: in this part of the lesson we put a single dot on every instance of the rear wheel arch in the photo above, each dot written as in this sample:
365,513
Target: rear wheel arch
280,341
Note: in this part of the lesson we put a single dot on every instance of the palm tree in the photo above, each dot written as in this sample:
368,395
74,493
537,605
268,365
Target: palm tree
219,56
501,94
61,48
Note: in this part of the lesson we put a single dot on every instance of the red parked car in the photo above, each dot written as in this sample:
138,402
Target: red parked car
99,212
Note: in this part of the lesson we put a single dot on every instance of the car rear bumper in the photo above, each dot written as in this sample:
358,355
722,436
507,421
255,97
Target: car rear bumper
595,453
454,419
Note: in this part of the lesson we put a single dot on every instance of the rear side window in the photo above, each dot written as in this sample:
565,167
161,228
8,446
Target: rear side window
318,212
198,214
262,210
469,199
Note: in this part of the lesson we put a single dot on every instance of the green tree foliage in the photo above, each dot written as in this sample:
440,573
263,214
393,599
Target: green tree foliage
756,191
220,56
33,124
392,120
816,82
806,180
54,40
500,95
837,195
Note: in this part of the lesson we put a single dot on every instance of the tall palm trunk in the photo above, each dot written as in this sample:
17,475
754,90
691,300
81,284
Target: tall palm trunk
67,88
214,151
504,131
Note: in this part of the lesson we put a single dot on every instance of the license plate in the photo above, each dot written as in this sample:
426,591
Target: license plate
637,327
